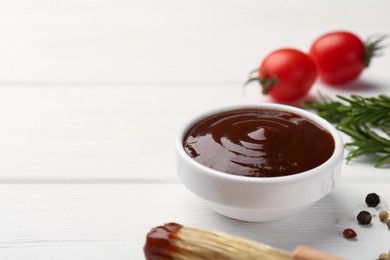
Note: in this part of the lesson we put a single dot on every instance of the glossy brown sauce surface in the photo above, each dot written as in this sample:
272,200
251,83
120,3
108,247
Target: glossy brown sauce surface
160,241
259,143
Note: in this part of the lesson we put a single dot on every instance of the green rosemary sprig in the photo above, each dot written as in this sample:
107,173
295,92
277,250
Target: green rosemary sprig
366,142
355,109
365,119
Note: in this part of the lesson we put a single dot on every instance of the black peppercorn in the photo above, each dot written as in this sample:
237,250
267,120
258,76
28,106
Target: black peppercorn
372,200
364,217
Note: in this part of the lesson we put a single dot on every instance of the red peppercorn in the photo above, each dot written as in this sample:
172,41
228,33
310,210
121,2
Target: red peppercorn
349,233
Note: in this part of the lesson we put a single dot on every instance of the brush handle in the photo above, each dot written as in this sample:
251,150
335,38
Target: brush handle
307,253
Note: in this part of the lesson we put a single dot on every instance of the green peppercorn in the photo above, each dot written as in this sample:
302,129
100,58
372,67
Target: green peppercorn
364,217
383,215
372,200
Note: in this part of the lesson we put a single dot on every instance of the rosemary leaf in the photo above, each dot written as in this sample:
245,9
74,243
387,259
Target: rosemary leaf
365,119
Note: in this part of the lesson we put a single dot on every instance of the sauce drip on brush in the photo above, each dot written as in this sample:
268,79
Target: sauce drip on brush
160,241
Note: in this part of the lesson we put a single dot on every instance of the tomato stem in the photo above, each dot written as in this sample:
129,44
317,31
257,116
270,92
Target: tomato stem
253,72
267,80
371,48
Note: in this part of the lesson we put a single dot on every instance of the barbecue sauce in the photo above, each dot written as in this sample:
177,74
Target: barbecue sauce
160,241
259,143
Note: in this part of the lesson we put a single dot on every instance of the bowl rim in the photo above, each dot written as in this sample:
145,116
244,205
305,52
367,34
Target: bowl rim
330,163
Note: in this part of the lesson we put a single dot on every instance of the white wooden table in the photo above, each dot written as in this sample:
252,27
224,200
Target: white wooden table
92,94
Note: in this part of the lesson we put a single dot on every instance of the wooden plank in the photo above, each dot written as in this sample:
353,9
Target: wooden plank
110,221
111,132
101,132
154,41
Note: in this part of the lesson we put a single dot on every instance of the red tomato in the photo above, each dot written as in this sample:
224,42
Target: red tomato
286,75
339,56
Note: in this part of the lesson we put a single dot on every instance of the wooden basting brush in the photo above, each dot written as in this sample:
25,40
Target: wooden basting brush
177,242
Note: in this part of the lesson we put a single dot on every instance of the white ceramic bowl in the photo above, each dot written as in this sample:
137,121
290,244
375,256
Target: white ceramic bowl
259,199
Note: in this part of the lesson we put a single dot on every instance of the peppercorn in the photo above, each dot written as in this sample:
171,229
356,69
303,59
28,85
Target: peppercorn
383,215
372,200
364,217
349,233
